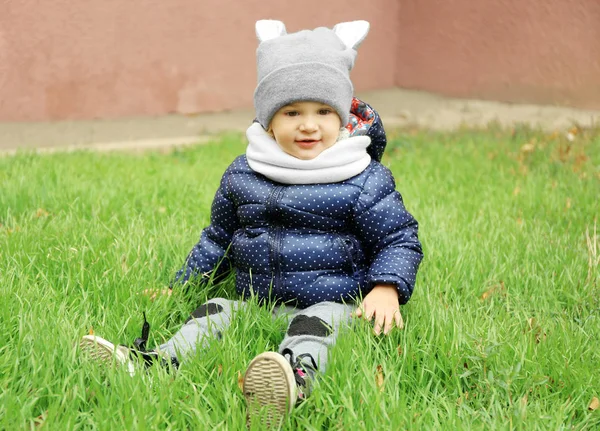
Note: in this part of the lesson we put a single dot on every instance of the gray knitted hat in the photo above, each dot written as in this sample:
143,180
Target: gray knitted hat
310,65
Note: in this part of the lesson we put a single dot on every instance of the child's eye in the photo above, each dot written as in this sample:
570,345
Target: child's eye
292,113
324,111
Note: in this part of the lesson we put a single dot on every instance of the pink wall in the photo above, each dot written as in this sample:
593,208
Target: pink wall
66,59
545,51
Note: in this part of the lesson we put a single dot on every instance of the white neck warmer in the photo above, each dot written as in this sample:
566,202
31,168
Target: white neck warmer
347,158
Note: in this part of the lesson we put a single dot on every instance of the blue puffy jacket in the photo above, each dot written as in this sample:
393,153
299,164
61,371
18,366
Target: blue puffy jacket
304,244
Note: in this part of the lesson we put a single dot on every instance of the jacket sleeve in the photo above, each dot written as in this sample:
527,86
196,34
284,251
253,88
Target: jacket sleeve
208,258
378,138
389,234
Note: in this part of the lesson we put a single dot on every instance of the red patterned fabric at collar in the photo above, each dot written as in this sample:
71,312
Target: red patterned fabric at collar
361,118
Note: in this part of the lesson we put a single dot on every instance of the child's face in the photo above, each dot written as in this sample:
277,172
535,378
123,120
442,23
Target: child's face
305,129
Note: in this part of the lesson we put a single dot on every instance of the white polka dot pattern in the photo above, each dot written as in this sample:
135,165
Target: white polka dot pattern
306,244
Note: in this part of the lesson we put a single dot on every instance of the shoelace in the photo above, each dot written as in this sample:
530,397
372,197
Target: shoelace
139,348
140,343
298,365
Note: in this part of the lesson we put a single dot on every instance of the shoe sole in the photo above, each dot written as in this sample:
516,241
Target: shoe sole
269,382
105,352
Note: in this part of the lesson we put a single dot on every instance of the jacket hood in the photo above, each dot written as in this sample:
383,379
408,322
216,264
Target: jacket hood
364,120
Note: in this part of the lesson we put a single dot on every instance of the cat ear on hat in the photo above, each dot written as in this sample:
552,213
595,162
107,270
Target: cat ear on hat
352,33
267,29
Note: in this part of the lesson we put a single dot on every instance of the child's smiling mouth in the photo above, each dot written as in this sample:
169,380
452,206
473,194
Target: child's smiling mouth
307,143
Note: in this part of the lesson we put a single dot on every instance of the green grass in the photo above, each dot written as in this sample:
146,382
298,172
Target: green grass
502,332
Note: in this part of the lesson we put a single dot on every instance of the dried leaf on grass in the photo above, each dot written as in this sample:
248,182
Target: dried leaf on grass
39,421
563,152
579,162
466,395
536,329
523,169
379,379
13,230
529,147
524,401
41,213
593,252
240,381
572,133
594,404
124,266
496,289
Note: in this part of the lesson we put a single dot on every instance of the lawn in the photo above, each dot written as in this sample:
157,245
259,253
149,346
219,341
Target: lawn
502,332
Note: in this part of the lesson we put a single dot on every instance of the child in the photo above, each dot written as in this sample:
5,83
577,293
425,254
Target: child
308,218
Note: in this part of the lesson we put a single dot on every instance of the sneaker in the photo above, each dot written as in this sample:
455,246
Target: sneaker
101,350
104,351
276,383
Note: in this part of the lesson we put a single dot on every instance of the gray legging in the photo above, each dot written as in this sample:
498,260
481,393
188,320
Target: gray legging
310,330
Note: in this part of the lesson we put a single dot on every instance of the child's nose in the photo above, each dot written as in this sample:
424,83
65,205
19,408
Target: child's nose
308,125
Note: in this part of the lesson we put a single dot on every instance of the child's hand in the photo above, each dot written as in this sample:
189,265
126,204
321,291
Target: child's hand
154,293
382,304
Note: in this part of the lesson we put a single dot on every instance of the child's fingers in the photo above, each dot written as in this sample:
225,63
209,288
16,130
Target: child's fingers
377,327
398,319
389,321
379,323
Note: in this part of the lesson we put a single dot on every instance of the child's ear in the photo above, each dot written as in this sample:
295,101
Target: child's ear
269,29
352,33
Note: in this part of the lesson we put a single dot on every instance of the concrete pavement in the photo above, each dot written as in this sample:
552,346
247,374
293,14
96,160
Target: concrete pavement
397,107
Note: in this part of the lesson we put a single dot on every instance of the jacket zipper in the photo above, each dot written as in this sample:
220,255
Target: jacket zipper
349,246
273,199
275,238
276,247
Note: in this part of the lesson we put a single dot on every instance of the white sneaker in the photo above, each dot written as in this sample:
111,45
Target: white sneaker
269,384
106,352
